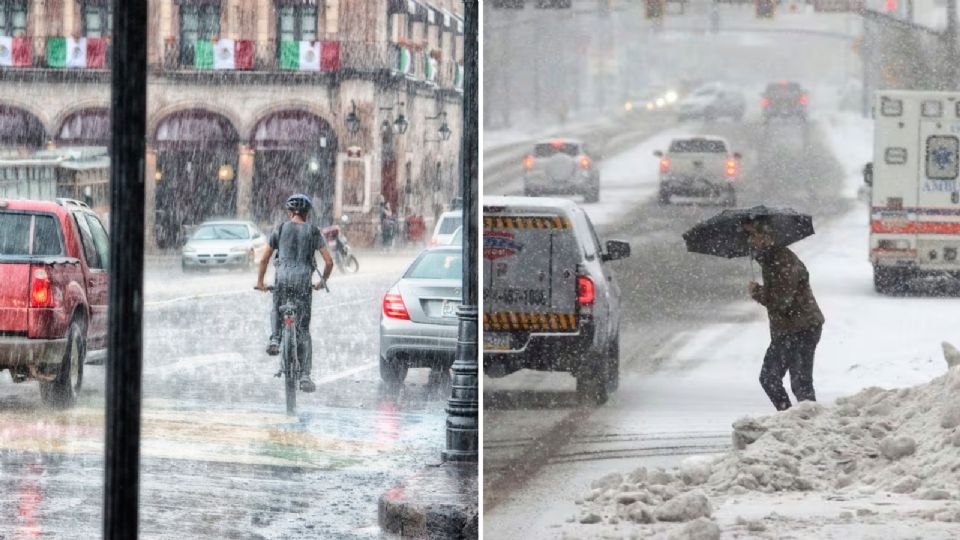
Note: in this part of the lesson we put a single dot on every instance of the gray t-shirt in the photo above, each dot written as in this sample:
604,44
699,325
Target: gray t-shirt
296,245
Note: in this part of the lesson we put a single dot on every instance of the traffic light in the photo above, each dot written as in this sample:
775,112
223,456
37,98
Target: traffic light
653,9
765,8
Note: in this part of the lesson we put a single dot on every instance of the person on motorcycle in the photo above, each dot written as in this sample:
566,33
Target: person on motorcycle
296,243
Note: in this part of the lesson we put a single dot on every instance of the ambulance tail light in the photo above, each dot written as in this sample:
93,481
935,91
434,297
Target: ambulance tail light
664,165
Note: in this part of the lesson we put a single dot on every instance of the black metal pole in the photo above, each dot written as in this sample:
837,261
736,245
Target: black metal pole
463,406
125,353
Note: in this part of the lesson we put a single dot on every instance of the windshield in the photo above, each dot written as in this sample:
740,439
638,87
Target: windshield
552,149
450,224
697,146
221,232
437,265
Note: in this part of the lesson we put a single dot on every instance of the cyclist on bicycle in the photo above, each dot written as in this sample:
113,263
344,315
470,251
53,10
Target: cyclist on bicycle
295,242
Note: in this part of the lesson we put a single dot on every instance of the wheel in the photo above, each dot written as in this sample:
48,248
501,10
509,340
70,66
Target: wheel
730,199
889,280
288,352
184,268
392,372
663,198
351,264
592,195
592,382
613,365
63,391
251,260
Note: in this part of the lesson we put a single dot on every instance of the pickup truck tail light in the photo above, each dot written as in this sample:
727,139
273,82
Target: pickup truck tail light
40,293
665,165
732,168
586,292
584,162
764,102
393,306
804,99
528,162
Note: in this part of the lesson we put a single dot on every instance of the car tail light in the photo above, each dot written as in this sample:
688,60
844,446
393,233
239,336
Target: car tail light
586,292
40,293
732,168
584,162
394,307
804,99
528,162
765,102
665,165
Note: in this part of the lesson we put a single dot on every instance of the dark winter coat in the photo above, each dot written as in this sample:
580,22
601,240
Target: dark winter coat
786,293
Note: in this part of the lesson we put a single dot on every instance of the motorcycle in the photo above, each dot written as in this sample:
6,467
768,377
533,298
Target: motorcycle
337,243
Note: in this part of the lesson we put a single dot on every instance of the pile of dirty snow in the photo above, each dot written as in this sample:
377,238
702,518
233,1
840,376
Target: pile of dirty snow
903,441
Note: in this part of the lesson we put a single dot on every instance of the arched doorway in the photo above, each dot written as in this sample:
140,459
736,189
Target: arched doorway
196,172
295,152
20,129
86,127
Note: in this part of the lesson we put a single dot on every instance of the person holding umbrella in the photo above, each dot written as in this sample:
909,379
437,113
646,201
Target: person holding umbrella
795,318
796,321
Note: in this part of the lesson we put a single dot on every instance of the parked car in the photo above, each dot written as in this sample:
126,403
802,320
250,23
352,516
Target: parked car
223,244
550,296
784,100
446,227
562,166
418,322
54,260
700,168
712,101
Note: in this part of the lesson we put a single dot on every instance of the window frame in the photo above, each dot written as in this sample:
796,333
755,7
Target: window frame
8,9
106,17
90,252
300,14
956,157
204,13
103,244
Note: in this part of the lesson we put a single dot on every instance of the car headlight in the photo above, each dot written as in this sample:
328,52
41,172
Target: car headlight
238,249
189,249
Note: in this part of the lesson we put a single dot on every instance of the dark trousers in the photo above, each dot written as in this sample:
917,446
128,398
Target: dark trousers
793,353
302,301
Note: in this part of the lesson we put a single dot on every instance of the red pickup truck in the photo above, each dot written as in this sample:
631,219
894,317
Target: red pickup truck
53,293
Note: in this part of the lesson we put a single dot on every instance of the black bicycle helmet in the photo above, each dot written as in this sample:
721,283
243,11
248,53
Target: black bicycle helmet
299,203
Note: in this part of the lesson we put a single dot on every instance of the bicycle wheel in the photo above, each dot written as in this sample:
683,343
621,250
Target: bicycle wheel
351,264
288,348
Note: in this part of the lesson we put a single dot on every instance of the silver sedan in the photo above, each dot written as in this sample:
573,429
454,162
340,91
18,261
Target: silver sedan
418,321
219,244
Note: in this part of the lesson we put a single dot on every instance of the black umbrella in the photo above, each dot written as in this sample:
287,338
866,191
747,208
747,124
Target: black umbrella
723,234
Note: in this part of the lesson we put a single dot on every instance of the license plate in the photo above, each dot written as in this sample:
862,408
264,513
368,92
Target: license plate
496,341
449,309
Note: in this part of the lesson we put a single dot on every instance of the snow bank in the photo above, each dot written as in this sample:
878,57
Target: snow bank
904,441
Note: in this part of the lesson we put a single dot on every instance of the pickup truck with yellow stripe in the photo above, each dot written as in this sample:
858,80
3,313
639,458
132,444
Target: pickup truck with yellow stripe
550,299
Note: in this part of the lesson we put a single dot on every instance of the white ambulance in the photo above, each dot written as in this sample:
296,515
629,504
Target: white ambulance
915,201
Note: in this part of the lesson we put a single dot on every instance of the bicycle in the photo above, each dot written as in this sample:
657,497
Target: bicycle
290,368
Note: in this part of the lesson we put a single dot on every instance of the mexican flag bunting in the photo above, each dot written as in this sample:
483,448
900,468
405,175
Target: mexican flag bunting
203,54
15,52
233,54
458,77
429,68
310,55
66,52
405,61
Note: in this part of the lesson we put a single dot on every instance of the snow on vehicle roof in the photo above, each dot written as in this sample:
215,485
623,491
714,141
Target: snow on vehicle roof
531,203
561,140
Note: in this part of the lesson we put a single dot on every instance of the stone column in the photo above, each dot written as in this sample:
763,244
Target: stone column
150,198
245,182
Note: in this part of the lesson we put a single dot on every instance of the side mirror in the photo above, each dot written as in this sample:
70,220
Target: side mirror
868,174
737,155
658,153
256,235
616,250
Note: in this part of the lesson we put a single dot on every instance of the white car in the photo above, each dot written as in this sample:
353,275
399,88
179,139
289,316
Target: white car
223,244
446,228
712,101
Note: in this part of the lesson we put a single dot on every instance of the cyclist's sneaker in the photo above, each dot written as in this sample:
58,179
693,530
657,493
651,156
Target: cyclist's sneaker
273,349
306,385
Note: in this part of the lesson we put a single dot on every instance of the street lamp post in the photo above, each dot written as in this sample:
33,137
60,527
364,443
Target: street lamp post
463,405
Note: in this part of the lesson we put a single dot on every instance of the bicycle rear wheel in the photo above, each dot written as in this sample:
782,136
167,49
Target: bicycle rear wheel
288,348
350,264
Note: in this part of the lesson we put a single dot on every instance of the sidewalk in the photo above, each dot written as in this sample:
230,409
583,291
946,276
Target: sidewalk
441,501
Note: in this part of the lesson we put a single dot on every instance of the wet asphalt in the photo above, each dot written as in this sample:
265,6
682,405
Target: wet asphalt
219,456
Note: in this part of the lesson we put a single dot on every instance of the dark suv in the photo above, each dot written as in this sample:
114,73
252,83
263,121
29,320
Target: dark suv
784,100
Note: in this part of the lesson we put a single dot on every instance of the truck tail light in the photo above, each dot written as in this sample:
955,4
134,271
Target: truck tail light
40,293
804,99
665,165
393,306
732,168
586,292
765,102
528,162
584,162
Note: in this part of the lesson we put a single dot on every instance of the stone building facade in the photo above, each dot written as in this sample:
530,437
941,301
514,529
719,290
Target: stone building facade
351,101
